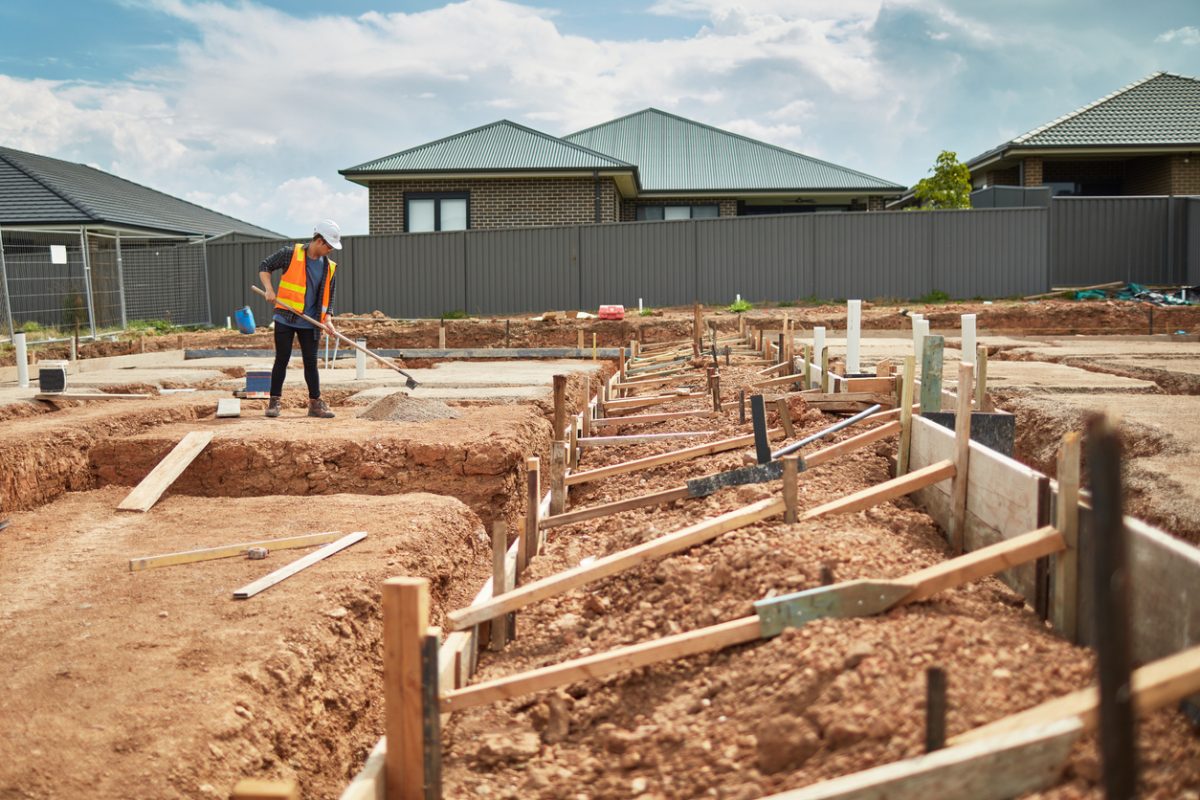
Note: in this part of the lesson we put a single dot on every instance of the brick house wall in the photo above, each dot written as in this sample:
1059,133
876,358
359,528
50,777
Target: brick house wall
1032,174
1003,177
1185,175
501,202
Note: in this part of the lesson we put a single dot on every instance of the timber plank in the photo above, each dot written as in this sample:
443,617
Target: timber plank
997,768
888,490
614,422
146,493
267,581
644,438
229,550
686,453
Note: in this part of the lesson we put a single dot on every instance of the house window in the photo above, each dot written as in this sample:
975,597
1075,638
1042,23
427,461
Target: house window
677,212
436,211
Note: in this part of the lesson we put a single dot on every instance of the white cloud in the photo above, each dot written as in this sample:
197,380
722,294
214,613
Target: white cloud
1188,34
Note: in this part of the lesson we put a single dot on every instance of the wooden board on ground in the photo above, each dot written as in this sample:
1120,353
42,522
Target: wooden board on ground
267,581
88,396
720,446
645,438
229,550
146,493
229,407
993,769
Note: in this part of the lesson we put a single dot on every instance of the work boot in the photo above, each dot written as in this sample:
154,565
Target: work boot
273,407
319,408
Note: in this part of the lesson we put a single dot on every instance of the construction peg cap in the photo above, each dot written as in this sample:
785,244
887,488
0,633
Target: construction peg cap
257,553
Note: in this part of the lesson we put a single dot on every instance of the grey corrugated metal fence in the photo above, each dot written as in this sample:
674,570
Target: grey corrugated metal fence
1193,241
1001,252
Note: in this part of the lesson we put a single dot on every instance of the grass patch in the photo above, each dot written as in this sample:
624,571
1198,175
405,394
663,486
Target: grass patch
457,313
739,306
936,296
646,312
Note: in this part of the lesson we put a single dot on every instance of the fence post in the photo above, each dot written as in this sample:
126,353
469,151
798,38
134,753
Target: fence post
4,287
121,285
87,280
207,285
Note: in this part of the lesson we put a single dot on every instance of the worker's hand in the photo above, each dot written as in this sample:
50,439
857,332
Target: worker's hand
270,294
329,327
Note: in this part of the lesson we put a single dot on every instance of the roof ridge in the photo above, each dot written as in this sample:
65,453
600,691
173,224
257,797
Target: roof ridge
743,138
47,185
559,140
1072,114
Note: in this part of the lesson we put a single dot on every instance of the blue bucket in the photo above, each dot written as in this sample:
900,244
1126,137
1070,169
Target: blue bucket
245,319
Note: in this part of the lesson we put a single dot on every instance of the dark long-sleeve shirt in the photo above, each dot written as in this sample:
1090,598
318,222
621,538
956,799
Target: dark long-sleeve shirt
279,260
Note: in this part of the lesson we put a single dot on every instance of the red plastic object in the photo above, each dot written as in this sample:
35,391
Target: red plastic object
612,312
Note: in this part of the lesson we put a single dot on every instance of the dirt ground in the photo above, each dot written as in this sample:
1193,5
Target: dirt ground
160,684
1051,316
821,701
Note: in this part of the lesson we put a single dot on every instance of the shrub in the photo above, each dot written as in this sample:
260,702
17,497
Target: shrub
30,327
154,327
740,306
936,296
646,312
458,313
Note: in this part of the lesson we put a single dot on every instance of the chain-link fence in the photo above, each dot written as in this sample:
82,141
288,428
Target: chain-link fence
63,281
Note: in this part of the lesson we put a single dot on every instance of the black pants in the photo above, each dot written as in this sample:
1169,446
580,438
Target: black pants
283,354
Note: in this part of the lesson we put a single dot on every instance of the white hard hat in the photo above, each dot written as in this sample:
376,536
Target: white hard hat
330,232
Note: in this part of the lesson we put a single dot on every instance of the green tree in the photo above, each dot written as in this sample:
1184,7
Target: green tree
949,187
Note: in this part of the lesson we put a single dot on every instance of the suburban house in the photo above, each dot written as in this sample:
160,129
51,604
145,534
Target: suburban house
82,246
1143,139
649,165
41,192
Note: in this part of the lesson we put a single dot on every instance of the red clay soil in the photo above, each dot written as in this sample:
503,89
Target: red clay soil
159,684
478,458
830,698
1053,316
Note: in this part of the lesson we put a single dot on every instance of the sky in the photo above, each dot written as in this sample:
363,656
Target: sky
251,107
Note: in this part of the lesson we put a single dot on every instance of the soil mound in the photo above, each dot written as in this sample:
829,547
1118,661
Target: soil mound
400,407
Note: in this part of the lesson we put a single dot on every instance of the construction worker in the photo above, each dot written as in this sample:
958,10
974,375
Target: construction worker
307,286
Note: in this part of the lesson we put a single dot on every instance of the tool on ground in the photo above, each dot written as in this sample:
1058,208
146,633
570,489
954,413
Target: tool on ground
411,382
846,423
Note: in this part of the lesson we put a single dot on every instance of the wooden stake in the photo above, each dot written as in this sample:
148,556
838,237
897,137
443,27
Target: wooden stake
962,456
785,417
981,359
499,581
405,624
1118,743
558,474
560,407
807,351
758,412
906,409
621,365
931,373
791,488
442,335
587,421
697,329
573,451
716,392
825,369
533,501
594,349
431,717
1066,564
742,406
935,709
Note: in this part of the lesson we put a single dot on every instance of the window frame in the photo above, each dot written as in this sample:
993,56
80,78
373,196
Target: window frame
691,207
437,197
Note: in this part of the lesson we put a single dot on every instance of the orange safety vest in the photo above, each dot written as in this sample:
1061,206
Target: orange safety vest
290,295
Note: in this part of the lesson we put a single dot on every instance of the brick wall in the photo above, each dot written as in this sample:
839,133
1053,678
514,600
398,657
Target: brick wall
1033,172
1003,177
1149,175
875,203
1185,175
501,202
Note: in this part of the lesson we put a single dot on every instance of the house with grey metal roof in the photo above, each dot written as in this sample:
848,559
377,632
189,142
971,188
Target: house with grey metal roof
82,247
1143,139
38,191
649,165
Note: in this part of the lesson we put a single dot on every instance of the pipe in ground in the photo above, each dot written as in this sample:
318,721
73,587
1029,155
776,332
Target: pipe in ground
846,423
